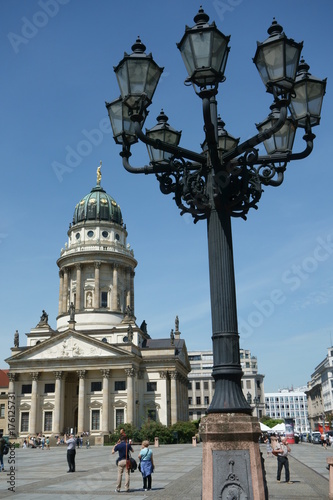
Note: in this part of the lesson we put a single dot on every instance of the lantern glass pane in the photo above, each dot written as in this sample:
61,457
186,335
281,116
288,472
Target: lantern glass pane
122,77
315,97
186,52
201,46
137,75
115,115
292,59
219,50
273,56
153,76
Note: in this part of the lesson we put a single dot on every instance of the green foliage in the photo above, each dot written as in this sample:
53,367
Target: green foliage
181,432
151,429
185,431
271,422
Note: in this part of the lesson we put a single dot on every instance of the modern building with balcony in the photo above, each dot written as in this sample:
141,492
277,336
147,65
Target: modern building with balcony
289,404
202,385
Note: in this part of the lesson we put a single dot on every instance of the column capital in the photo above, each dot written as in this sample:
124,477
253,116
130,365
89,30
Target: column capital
163,374
12,376
58,375
97,265
78,266
81,373
130,372
106,373
174,375
34,375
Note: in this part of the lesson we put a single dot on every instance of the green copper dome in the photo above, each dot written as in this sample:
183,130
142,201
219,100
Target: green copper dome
99,206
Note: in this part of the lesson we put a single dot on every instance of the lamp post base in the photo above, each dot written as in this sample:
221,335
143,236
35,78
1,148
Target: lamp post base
232,463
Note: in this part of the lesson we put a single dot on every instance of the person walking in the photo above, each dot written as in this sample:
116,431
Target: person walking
147,466
2,446
71,452
123,448
281,451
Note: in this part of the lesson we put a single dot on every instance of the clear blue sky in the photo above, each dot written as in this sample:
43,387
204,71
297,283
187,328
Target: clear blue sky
57,71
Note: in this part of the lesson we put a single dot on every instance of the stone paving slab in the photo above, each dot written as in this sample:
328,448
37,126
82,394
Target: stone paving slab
41,474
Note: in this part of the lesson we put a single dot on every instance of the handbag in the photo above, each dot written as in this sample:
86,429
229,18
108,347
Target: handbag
131,464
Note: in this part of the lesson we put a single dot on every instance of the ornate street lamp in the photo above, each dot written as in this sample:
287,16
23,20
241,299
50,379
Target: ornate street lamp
224,180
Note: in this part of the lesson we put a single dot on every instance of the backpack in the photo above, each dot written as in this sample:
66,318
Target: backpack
5,449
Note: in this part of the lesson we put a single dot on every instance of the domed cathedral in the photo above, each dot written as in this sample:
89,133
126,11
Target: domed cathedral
98,369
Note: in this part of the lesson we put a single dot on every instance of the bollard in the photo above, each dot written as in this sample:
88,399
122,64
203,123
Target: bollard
330,488
157,442
194,441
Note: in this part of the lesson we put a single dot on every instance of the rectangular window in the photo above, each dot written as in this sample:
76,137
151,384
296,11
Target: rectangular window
26,388
48,421
152,415
189,386
95,418
104,299
96,386
49,388
206,400
120,385
206,386
198,400
198,415
2,410
119,417
197,386
25,421
151,386
248,384
189,401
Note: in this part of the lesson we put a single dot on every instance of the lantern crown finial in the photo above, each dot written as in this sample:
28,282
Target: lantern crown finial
138,46
275,28
201,17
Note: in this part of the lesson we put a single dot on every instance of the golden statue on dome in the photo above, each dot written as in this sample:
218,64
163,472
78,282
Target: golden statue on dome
99,174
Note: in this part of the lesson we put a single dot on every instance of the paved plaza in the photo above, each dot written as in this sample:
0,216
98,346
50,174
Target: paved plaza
42,474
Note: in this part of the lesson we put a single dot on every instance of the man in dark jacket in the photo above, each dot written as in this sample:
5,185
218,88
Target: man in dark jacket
123,448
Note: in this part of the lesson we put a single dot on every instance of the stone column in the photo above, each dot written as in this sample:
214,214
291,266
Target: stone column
105,415
57,403
65,292
128,287
81,401
164,376
114,302
12,414
173,396
132,274
61,291
78,288
130,372
96,294
33,411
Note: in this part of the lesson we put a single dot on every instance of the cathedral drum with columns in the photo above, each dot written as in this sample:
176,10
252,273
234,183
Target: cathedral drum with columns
98,369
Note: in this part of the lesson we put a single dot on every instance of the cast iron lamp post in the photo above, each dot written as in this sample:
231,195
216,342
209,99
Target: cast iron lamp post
226,178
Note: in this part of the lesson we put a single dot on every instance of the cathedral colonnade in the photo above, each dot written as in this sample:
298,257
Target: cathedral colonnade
86,293
95,400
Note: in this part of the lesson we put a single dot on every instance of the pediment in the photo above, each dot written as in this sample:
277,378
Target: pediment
67,345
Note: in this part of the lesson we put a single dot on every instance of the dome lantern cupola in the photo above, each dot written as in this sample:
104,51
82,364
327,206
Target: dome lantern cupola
97,205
